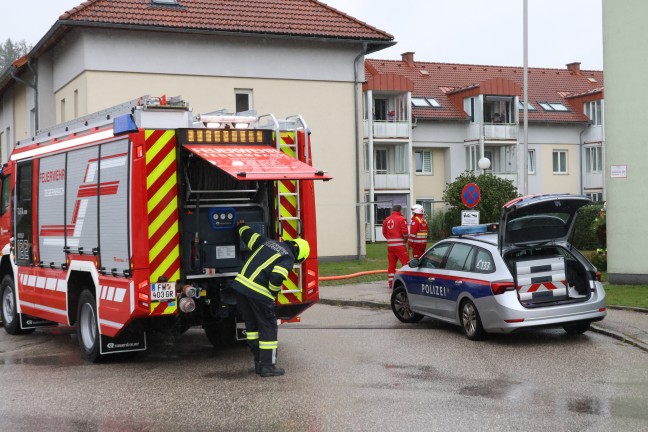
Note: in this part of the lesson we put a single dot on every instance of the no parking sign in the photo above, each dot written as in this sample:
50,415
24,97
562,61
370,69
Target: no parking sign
470,195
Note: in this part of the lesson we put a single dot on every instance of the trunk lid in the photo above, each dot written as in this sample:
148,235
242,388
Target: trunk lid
537,220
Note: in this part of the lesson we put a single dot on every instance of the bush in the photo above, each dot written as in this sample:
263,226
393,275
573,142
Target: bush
494,193
600,261
584,236
438,228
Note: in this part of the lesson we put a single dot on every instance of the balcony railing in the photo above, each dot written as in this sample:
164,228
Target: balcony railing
500,131
387,129
388,181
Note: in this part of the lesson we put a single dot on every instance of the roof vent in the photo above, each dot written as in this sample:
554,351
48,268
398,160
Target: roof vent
574,67
424,72
408,57
591,79
164,2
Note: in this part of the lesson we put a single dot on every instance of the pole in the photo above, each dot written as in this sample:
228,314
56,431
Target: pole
525,145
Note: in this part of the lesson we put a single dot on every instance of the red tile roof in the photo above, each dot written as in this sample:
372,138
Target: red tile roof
445,79
308,18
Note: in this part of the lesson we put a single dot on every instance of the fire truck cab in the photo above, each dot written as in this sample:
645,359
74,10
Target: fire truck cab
124,222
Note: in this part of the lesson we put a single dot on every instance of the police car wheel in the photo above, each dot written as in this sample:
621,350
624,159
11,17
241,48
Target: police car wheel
401,307
576,329
87,327
10,317
470,321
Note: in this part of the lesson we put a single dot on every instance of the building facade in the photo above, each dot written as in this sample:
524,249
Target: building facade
286,58
626,157
426,123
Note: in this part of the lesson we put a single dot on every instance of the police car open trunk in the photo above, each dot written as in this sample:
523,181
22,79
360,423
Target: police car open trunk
533,235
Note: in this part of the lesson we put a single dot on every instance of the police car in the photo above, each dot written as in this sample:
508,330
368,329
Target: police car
500,278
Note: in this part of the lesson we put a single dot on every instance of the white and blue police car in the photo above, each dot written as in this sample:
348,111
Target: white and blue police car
500,278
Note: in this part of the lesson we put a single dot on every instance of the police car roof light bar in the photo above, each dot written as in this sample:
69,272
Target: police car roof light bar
474,229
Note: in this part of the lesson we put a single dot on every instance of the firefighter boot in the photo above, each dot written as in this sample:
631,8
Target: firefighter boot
254,347
267,367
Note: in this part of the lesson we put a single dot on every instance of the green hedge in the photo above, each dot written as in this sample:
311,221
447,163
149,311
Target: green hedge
584,236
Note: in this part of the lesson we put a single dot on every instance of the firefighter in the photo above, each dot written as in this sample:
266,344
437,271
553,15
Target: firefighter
257,286
418,231
394,229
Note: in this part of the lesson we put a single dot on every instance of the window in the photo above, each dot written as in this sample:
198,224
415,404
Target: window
6,195
423,162
529,106
472,157
458,257
434,257
593,159
380,109
380,161
469,108
427,204
498,109
425,102
484,262
531,162
76,103
593,111
243,100
595,196
62,110
553,106
560,161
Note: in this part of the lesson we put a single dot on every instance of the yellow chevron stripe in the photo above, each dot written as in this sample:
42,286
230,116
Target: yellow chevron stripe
159,144
157,172
166,213
164,240
162,193
164,265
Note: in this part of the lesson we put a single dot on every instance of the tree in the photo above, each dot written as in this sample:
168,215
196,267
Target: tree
10,51
494,193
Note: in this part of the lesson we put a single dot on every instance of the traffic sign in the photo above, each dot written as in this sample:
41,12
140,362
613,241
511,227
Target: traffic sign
470,195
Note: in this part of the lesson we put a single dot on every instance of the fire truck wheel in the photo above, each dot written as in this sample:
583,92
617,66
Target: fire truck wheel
8,309
87,327
222,333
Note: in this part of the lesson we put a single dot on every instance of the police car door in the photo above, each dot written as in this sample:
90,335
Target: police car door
422,289
456,278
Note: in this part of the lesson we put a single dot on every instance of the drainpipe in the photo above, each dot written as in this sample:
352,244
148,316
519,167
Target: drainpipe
357,150
33,85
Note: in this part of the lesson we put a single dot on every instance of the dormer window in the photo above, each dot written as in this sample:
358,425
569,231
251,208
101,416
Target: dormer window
425,102
529,106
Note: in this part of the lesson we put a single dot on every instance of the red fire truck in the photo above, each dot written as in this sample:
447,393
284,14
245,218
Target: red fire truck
123,222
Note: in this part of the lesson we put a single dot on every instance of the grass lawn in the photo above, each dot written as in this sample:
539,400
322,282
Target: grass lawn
376,259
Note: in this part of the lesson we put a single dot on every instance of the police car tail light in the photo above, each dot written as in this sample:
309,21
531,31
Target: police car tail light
501,287
597,276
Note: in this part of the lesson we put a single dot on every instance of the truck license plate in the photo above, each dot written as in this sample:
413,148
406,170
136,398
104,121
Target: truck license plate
163,291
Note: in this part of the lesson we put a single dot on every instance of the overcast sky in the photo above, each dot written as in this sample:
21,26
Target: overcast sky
455,31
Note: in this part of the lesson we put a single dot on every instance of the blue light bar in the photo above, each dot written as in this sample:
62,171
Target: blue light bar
474,229
124,124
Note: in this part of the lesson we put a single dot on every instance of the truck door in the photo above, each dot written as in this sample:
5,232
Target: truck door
24,213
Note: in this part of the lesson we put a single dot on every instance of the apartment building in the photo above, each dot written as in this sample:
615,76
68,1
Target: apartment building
425,123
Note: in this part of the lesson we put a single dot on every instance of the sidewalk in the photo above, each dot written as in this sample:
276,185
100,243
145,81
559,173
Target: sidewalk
629,325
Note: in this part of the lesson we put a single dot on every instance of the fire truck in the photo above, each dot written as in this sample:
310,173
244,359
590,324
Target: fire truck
123,222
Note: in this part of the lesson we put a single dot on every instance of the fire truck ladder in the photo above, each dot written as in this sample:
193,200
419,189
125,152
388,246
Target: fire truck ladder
288,216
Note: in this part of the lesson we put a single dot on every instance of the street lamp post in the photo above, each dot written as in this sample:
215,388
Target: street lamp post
523,171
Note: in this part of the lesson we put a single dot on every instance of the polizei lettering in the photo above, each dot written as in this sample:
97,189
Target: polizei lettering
435,290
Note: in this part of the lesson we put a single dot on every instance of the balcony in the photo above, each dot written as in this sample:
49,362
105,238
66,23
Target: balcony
387,129
501,132
394,181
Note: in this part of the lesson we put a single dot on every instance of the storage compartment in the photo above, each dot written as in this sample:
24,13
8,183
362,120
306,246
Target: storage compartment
548,275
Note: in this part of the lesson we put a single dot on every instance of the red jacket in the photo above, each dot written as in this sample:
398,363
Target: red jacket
395,230
418,231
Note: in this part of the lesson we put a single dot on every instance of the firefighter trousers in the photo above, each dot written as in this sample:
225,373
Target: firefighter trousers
395,254
260,327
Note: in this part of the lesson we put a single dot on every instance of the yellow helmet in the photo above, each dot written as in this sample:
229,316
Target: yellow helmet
303,249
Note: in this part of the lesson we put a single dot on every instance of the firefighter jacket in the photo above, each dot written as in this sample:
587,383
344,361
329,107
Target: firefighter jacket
418,232
395,230
264,272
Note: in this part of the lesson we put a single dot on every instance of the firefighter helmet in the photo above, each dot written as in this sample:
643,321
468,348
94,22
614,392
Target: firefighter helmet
303,249
417,209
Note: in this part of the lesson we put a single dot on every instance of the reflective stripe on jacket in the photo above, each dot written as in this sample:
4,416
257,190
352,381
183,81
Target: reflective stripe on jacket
394,229
418,231
264,272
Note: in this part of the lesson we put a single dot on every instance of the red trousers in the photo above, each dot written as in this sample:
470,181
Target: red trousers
417,252
394,254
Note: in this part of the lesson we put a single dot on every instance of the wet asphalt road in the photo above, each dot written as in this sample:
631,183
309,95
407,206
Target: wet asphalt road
348,369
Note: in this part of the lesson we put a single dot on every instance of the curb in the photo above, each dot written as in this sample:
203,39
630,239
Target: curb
620,337
596,329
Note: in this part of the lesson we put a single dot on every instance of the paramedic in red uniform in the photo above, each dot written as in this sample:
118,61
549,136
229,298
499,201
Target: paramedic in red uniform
418,231
395,231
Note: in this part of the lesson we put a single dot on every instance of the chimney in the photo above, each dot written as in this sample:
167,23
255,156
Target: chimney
574,67
408,57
